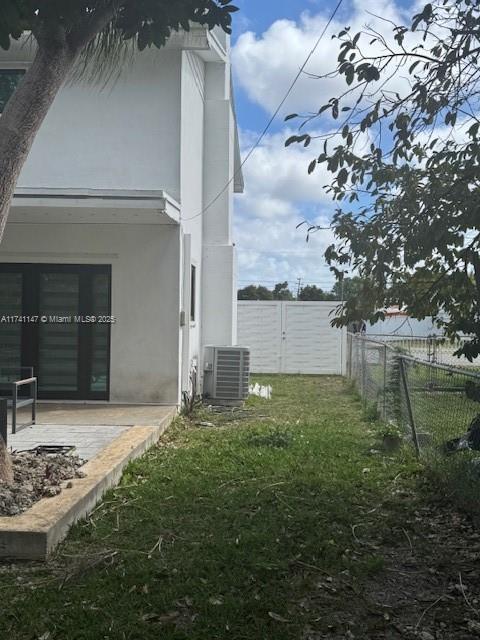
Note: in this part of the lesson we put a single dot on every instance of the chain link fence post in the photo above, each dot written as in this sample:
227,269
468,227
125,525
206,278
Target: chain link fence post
411,418
364,370
349,355
385,382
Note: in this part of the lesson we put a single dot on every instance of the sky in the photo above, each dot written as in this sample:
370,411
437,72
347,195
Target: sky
271,40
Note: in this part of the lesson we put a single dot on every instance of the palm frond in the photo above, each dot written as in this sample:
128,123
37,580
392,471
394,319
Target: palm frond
104,57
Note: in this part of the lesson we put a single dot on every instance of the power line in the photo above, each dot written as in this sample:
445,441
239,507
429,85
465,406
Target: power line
270,122
286,252
286,279
292,284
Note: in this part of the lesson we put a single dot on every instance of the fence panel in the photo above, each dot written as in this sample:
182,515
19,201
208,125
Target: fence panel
291,337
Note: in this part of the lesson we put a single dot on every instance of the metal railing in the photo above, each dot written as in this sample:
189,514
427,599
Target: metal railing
18,389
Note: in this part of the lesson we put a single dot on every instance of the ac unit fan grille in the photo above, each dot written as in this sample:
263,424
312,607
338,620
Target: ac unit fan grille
232,374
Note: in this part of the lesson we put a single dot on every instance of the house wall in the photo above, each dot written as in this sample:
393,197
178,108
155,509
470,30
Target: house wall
145,261
191,190
207,166
165,123
125,135
219,260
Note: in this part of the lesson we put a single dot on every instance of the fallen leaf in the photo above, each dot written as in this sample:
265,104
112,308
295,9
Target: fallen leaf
277,617
159,618
473,625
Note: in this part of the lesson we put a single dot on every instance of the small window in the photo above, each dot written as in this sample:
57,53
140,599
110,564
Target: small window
9,79
193,292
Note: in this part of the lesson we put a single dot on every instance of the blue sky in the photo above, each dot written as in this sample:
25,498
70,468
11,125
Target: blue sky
271,41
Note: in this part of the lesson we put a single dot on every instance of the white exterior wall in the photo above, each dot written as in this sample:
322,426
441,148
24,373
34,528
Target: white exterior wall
124,136
192,157
208,164
144,364
166,123
219,282
219,296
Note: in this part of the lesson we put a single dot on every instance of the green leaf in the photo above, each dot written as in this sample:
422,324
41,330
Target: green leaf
342,177
473,130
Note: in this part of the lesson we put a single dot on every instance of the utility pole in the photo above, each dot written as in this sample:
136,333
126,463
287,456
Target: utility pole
299,286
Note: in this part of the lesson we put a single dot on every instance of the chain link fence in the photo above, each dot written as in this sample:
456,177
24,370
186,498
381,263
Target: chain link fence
428,402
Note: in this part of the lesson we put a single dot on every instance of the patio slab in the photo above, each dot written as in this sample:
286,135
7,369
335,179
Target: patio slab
88,440
33,534
95,414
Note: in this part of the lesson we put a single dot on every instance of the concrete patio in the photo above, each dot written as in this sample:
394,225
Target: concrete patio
87,427
107,437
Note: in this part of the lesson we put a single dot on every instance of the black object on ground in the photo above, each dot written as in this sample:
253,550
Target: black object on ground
469,440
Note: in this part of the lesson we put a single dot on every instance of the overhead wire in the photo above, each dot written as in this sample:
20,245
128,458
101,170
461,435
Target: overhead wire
272,118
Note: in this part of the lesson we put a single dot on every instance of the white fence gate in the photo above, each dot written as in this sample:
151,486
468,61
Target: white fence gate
291,337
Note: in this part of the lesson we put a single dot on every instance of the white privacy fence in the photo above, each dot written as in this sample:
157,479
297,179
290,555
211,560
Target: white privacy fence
292,337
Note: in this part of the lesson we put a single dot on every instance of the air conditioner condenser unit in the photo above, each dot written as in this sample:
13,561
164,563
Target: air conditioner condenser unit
226,374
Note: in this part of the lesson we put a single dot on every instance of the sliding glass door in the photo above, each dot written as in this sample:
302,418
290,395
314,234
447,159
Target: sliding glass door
58,342
54,331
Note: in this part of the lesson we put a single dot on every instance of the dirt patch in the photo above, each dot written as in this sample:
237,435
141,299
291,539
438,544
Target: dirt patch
431,585
428,588
37,476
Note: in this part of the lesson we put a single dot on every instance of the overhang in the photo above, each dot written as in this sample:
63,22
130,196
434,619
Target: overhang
95,206
211,46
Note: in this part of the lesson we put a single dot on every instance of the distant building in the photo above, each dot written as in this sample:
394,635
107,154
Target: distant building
397,321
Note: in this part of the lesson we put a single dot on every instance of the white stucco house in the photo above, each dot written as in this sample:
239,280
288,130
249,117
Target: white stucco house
109,219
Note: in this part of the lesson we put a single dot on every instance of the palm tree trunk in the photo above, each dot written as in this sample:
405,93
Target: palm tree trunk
6,466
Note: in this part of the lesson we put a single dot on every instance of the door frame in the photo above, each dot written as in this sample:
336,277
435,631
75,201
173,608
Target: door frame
30,332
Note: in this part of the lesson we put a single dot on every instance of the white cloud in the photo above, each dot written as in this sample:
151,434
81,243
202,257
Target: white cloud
279,195
279,192
281,172
265,65
270,252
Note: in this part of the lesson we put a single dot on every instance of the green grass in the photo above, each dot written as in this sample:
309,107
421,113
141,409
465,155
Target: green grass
224,531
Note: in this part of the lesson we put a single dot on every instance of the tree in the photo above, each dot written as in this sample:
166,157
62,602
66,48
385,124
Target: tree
254,292
312,292
405,161
282,292
67,32
349,288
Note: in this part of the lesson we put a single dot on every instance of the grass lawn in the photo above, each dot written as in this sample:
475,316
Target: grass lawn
273,523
